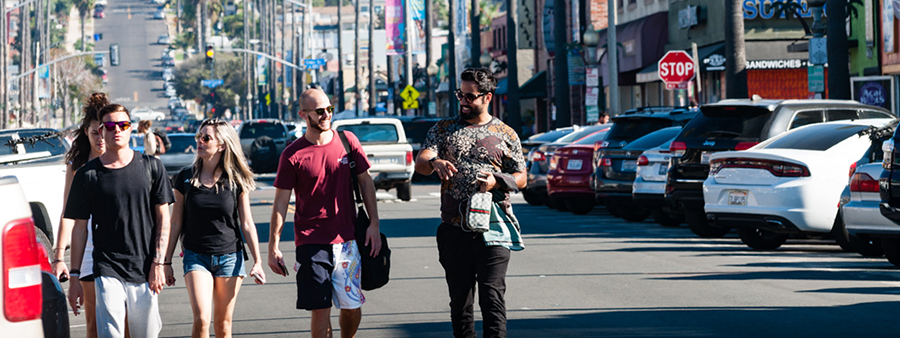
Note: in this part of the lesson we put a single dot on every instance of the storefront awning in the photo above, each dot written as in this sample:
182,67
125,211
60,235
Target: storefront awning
443,87
711,58
535,87
640,42
501,87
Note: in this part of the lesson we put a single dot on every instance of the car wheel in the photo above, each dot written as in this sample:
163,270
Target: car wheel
558,203
761,239
696,220
532,197
404,191
579,206
613,210
44,240
633,213
891,247
667,219
866,246
839,232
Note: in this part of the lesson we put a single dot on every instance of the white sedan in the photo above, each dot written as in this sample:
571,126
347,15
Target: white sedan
787,185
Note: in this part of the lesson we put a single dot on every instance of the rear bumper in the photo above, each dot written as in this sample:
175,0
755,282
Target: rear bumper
649,201
863,218
388,179
776,224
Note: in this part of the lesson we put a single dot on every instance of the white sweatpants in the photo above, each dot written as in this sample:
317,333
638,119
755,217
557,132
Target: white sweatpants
114,297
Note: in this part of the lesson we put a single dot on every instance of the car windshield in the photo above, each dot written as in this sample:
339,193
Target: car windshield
581,133
593,138
628,129
551,136
728,122
182,144
372,133
54,144
255,130
654,139
814,137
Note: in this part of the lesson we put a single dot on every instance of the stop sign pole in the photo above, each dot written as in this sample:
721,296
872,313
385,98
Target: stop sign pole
676,69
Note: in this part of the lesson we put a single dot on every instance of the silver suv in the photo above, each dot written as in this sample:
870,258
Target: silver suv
262,141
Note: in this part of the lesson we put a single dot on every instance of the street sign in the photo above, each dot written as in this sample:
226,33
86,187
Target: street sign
816,78
212,83
409,93
314,63
818,52
410,104
676,68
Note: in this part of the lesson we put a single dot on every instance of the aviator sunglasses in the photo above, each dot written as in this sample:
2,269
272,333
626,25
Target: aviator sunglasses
468,96
322,111
203,137
111,126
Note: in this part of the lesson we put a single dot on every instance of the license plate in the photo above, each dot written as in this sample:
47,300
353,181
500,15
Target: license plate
663,169
704,157
383,160
737,197
629,165
573,165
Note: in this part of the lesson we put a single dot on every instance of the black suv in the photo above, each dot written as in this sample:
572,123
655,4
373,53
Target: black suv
614,168
738,125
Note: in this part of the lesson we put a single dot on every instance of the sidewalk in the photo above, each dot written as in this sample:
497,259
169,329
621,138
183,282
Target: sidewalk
74,29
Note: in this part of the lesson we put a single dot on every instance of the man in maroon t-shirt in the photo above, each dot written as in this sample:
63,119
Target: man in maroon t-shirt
316,167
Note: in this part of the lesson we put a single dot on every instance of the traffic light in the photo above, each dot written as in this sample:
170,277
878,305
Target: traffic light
212,98
210,53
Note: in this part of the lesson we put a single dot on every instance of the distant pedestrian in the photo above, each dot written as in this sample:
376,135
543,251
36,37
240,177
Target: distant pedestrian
212,214
126,196
471,153
603,118
317,169
150,146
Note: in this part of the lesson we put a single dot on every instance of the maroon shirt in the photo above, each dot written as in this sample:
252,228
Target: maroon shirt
320,177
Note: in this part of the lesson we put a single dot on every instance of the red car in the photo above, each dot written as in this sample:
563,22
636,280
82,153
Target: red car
99,12
569,178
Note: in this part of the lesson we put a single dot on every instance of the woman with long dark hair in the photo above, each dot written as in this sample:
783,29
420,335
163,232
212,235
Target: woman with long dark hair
211,215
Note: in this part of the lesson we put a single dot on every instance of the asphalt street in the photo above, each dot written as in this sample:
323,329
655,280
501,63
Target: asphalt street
137,81
587,276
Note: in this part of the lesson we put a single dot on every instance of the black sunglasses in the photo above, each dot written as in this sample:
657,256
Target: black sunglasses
203,137
322,111
111,126
468,96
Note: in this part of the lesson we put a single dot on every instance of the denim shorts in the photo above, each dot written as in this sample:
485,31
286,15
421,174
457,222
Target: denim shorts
227,265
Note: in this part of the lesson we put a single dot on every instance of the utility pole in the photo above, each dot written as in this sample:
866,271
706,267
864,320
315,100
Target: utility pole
294,54
273,47
339,91
476,34
408,62
429,5
612,58
284,70
451,78
513,113
373,93
357,74
248,65
561,63
25,62
735,56
837,47
4,83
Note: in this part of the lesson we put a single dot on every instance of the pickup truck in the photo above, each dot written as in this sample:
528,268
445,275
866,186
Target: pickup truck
36,157
389,152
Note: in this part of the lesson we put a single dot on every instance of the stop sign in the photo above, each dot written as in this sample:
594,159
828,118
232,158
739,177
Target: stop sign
676,67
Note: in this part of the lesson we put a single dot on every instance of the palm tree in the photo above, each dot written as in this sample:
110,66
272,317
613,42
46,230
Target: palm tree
84,7
735,55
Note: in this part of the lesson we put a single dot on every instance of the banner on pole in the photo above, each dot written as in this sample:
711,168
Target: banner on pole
418,22
44,82
289,71
261,70
393,26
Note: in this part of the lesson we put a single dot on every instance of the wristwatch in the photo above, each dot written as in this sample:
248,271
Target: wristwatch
431,160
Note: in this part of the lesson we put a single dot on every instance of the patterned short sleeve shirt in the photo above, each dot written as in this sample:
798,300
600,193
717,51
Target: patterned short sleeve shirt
492,147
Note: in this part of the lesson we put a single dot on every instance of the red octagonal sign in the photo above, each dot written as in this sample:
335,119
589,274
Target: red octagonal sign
676,68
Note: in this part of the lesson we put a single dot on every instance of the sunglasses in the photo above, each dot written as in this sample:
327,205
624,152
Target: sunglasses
203,137
213,121
111,126
468,96
322,111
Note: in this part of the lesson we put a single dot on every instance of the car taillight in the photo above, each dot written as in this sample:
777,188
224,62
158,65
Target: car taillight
553,162
777,168
852,169
643,160
538,156
745,145
22,298
409,158
862,182
604,162
888,149
677,148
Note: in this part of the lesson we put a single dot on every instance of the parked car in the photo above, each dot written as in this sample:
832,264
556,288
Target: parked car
99,12
170,92
616,171
159,14
537,165
535,192
538,139
739,125
390,155
416,129
139,114
168,74
889,192
262,141
788,185
180,154
649,187
568,180
164,40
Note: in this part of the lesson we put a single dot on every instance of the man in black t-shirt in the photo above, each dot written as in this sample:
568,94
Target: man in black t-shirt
126,197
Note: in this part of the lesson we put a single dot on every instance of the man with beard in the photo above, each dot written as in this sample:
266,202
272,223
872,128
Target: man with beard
471,153
317,169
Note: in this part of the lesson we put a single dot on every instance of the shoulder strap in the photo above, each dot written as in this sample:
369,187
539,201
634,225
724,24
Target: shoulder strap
351,157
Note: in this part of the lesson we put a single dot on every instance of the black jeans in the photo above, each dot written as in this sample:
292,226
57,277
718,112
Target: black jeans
466,260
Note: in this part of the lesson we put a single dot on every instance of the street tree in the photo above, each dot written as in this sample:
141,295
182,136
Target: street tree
84,9
75,81
228,67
